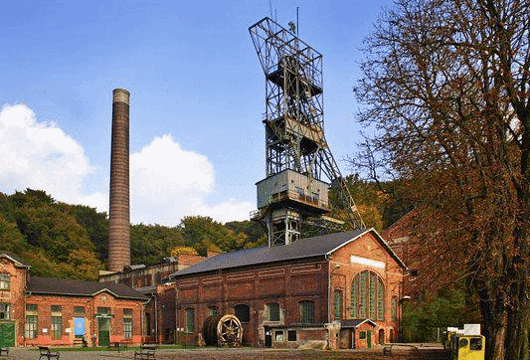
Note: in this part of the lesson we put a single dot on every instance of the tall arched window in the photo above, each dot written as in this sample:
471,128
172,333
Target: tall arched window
367,296
242,312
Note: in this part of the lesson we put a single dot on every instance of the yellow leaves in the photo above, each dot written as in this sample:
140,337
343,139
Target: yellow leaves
182,250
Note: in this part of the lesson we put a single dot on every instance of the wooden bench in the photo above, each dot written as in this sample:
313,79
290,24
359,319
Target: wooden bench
46,353
4,350
146,352
387,349
121,344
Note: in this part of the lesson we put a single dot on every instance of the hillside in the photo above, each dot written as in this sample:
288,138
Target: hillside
70,241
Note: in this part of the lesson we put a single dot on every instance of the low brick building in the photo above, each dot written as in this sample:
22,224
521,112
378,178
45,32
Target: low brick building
49,311
144,279
340,290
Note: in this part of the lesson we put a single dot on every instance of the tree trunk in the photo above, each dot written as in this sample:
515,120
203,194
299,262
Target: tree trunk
494,322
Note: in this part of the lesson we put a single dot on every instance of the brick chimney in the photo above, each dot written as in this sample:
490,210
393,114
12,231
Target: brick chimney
119,218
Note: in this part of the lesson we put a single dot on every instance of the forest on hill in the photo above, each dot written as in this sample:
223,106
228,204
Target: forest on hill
71,241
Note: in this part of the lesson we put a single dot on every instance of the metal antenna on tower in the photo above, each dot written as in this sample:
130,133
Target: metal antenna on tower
300,166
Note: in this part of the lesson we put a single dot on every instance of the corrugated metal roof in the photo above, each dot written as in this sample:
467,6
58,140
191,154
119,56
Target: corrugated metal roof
83,288
300,249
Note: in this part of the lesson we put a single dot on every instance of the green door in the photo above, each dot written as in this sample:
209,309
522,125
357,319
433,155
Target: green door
369,339
7,334
104,331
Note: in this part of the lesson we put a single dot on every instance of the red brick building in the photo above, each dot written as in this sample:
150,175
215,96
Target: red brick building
144,279
339,290
402,238
48,311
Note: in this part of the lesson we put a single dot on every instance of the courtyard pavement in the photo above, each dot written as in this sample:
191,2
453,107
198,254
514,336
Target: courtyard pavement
224,354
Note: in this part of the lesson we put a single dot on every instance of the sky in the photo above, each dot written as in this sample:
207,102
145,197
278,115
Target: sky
197,142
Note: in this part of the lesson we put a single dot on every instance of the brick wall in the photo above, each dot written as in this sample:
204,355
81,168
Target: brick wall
90,305
288,285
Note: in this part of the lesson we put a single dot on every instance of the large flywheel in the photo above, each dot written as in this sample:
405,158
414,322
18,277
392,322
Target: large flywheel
223,330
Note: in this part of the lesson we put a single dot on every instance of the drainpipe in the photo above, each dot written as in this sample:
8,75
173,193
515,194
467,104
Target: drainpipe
329,287
156,318
142,315
176,314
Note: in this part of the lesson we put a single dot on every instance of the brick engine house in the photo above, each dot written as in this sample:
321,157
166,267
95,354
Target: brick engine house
339,291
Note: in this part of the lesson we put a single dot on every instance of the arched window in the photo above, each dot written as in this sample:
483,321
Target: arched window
337,304
367,296
394,307
242,312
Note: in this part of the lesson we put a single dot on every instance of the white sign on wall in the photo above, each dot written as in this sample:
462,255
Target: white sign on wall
367,262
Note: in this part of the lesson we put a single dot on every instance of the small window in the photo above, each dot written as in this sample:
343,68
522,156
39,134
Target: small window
394,308
147,324
190,321
30,327
278,335
104,310
291,335
242,312
337,304
127,324
33,308
57,327
362,335
475,344
299,191
274,311
56,309
5,281
5,311
307,312
212,310
79,310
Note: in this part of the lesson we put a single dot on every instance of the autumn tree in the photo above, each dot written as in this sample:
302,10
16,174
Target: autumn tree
201,231
446,85
151,243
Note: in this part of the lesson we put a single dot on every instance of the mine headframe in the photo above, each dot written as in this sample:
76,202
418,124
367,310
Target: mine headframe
299,164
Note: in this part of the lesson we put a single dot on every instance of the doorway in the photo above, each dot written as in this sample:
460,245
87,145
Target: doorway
381,337
103,331
7,334
268,337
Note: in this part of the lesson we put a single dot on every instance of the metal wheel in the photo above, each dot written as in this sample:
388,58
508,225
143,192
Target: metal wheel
229,331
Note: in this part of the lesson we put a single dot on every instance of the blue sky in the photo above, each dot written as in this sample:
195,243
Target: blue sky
197,97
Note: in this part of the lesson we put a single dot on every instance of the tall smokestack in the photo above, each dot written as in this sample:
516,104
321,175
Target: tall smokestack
119,220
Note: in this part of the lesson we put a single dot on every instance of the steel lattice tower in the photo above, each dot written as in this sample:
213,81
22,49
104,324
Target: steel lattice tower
299,164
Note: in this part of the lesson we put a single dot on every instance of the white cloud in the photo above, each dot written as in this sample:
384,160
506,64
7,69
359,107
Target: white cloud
40,156
167,182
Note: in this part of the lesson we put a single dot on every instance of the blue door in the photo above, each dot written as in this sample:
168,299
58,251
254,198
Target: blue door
79,327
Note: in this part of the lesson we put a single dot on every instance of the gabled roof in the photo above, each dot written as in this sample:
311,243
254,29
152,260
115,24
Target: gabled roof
18,261
82,288
318,246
